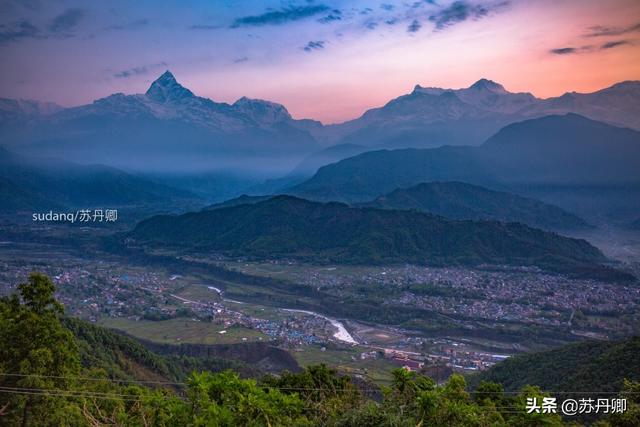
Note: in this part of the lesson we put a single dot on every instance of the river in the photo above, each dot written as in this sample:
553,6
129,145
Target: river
341,335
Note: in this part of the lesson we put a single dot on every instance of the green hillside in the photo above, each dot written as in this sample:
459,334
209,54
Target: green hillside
125,358
594,366
288,227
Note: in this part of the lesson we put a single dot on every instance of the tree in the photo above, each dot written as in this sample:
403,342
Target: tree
37,353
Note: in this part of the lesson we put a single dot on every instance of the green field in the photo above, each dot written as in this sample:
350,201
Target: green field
183,330
346,360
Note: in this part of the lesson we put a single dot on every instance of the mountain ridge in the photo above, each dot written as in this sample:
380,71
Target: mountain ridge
254,128
458,200
293,228
552,150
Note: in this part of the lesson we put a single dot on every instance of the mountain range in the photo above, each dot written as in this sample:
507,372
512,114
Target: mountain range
431,116
552,153
293,228
166,128
169,128
458,200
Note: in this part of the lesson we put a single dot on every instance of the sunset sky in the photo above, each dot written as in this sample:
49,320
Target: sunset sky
322,59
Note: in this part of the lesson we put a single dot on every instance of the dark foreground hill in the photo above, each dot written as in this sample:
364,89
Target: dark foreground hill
458,200
288,227
593,366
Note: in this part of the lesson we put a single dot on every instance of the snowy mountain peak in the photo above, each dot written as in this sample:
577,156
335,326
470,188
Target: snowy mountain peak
261,111
486,84
428,90
167,89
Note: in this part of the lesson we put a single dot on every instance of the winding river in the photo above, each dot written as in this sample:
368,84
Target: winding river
341,335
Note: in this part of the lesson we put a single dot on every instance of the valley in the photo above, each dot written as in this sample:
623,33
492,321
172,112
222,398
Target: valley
363,319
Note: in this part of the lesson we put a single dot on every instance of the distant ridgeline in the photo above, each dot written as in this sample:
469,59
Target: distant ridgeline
562,151
458,200
289,227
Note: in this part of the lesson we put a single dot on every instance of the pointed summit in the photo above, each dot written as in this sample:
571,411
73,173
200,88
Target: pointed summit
486,84
167,78
167,89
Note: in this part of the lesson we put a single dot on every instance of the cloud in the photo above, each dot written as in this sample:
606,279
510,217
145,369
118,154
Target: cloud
600,30
371,25
137,71
17,31
570,50
414,27
241,59
66,21
614,43
387,6
460,11
314,45
564,50
335,15
282,16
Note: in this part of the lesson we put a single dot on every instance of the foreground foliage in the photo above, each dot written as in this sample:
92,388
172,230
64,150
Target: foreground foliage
43,383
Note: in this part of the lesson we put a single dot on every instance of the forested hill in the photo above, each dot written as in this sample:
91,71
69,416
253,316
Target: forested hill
125,358
588,366
289,227
553,150
458,200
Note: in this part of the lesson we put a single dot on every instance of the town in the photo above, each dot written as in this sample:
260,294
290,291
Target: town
126,297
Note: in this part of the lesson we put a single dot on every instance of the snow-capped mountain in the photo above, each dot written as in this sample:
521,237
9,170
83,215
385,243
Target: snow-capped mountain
432,116
17,110
166,99
169,127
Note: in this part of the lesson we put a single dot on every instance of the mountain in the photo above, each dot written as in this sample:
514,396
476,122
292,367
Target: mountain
328,155
168,128
458,200
240,200
618,105
568,150
28,184
306,168
289,227
595,366
21,110
430,117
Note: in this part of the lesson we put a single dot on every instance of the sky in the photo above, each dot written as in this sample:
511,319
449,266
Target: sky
322,59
